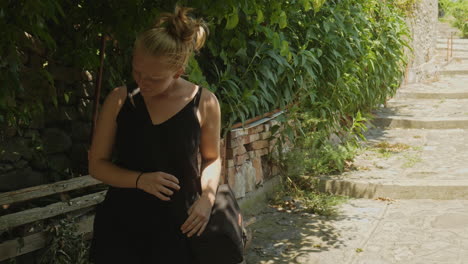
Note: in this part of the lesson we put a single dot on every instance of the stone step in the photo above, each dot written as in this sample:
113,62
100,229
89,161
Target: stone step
427,114
456,66
452,72
462,58
461,79
449,88
455,69
455,41
407,164
455,48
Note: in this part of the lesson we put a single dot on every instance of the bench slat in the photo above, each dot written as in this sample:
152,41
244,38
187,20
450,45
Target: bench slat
35,214
47,189
13,248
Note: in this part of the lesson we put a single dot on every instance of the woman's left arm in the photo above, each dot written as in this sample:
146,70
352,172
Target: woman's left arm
209,144
210,121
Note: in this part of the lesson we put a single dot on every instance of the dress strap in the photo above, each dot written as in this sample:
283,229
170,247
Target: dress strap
132,90
131,86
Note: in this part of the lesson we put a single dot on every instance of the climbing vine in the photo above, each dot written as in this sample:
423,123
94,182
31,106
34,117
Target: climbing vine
342,56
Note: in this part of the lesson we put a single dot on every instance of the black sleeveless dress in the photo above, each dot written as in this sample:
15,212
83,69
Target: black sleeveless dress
132,226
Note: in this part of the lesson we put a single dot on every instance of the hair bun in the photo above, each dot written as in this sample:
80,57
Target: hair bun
184,28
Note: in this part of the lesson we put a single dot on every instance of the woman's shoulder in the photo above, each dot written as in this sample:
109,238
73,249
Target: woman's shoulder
209,106
117,96
115,100
207,97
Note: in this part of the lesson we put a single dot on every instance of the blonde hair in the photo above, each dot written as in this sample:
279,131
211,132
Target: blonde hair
174,35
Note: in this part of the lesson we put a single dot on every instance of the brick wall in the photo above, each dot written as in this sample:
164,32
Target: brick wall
247,157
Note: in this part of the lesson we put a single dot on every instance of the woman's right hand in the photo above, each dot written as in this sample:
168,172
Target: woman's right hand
158,184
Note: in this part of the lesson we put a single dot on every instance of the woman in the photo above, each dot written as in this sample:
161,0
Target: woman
156,127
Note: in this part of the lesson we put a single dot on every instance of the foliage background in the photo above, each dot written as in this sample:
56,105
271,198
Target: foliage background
335,58
459,10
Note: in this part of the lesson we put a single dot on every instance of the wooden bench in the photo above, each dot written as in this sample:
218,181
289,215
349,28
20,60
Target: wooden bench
34,240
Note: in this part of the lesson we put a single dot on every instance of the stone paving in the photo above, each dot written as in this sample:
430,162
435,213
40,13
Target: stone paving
414,179
365,232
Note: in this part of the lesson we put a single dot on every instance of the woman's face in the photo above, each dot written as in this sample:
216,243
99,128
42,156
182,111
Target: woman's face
152,74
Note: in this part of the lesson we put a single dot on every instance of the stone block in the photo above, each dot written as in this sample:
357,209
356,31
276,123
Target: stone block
61,114
265,135
39,162
80,131
59,162
19,179
56,140
79,156
238,133
5,167
257,164
239,160
21,164
251,138
242,140
234,143
233,152
229,163
259,144
274,122
245,179
256,129
13,149
262,152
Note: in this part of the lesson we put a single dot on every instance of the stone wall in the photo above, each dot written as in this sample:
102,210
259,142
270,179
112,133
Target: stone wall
423,26
54,146
248,163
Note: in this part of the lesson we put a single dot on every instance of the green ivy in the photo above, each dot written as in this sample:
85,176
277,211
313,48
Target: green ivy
333,57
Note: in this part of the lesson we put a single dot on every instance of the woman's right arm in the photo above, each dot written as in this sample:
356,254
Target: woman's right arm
100,165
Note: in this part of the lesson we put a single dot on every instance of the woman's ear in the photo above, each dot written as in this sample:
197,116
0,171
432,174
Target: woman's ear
179,73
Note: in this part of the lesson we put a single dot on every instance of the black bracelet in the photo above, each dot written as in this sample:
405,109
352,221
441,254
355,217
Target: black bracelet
138,178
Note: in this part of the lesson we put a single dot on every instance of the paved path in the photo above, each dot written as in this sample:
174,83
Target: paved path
410,185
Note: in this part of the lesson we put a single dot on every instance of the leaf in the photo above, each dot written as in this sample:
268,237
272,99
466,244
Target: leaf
307,5
232,19
317,5
326,26
242,52
260,17
283,20
275,56
284,48
276,40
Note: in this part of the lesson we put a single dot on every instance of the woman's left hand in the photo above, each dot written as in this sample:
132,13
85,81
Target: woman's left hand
199,215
